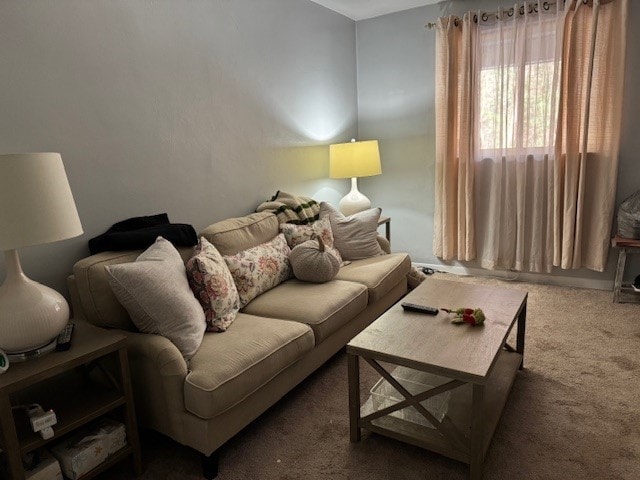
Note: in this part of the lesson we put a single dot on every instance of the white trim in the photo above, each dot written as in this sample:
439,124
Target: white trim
521,276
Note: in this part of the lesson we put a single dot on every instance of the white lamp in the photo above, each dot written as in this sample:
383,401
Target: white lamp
353,160
36,207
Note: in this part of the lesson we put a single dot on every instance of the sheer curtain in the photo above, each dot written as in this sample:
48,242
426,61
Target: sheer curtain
517,103
519,98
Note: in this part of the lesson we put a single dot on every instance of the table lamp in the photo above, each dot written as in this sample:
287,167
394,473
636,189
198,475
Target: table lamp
36,207
353,160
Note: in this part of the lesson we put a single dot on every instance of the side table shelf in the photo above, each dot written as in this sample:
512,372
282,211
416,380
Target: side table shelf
61,381
624,293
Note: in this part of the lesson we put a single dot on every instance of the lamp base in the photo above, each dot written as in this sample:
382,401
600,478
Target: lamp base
38,352
354,201
31,315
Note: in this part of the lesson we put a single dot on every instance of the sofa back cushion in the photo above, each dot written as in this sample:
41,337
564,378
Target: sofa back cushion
98,303
237,234
100,306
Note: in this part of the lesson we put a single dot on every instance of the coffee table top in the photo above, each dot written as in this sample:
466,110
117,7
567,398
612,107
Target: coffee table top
432,343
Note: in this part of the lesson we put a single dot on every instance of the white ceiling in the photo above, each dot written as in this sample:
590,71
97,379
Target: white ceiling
361,9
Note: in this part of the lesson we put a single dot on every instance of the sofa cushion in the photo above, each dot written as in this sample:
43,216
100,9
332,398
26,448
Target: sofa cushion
379,274
230,366
260,268
99,304
325,307
236,234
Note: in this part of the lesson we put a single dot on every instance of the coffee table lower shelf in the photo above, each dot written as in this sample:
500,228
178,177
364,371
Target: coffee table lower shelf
460,412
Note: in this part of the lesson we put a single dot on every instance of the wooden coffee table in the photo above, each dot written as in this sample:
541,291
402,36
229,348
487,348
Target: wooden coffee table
476,364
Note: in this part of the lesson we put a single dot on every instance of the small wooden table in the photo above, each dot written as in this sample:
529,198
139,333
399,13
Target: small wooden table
624,293
386,221
478,363
60,381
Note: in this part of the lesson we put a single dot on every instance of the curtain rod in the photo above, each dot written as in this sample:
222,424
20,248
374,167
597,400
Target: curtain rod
533,7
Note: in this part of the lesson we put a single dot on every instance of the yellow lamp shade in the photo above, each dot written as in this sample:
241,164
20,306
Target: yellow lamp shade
354,159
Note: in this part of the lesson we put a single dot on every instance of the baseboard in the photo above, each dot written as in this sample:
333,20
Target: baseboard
522,276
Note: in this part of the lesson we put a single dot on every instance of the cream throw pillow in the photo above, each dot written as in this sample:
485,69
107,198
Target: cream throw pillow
356,236
155,291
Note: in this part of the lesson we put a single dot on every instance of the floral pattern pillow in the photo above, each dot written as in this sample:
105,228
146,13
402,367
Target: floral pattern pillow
260,268
213,286
297,234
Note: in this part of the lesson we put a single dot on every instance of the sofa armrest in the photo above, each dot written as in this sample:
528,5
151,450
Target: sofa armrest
384,244
158,372
158,351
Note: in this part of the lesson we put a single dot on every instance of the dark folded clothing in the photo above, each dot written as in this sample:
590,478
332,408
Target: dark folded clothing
140,232
140,222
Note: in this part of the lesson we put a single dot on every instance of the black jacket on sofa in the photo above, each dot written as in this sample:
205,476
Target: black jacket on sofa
139,233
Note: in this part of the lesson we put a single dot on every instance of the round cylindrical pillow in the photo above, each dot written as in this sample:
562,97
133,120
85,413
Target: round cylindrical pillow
312,263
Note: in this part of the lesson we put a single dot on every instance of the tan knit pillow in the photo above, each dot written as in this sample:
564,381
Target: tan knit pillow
298,234
311,262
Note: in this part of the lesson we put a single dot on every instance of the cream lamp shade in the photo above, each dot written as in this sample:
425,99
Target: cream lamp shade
36,207
353,160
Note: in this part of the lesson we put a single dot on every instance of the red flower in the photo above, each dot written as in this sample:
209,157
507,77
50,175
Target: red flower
468,318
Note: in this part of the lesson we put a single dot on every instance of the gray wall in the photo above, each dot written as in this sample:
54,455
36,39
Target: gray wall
396,104
200,108
203,108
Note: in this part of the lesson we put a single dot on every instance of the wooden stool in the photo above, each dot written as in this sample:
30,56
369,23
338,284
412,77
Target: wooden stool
624,293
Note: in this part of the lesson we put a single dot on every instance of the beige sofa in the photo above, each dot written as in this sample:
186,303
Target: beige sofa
276,341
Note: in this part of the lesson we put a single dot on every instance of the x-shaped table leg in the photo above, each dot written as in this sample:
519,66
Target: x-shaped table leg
446,428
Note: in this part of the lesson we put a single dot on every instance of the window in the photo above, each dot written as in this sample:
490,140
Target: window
518,93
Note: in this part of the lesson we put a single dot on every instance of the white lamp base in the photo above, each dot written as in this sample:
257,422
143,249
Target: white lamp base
31,314
354,201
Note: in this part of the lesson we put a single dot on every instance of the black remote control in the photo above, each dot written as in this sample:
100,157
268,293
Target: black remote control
412,307
64,339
